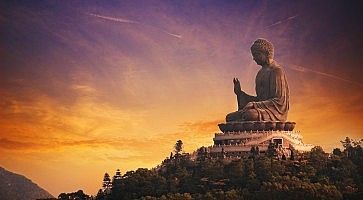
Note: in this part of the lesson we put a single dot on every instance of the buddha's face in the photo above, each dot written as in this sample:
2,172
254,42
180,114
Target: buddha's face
260,57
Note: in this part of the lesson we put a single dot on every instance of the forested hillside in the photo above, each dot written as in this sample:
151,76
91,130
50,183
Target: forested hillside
312,175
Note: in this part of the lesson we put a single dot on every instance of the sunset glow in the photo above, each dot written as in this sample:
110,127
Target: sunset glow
87,88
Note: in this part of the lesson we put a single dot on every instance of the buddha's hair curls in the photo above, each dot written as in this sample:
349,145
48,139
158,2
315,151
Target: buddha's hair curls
263,45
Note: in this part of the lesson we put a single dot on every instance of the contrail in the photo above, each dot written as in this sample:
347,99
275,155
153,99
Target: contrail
281,21
172,34
121,20
303,69
114,19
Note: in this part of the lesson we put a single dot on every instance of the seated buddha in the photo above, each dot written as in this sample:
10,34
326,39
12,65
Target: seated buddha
271,102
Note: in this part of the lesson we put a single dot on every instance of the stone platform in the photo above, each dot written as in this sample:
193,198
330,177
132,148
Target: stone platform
237,138
243,141
256,126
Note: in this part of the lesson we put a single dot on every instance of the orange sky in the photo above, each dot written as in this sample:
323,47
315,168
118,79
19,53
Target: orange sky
82,95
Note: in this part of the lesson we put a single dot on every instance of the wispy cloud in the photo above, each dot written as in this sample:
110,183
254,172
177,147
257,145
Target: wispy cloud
83,88
282,21
172,34
202,126
17,145
114,19
122,20
52,144
304,69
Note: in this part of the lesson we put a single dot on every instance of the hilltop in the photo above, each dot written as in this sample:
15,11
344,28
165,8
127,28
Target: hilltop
18,187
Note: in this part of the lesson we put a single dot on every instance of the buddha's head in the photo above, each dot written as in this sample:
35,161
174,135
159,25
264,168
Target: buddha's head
262,51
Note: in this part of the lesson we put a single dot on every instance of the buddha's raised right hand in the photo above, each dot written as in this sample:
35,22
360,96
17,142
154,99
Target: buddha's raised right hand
237,86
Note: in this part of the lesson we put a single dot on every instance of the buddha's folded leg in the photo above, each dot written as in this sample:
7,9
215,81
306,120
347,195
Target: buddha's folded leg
250,115
234,116
256,115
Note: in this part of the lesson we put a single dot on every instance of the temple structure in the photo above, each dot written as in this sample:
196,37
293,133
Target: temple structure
237,138
260,120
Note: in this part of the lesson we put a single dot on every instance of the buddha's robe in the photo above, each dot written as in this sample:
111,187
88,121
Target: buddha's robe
271,102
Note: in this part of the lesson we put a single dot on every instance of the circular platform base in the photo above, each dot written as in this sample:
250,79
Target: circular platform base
257,126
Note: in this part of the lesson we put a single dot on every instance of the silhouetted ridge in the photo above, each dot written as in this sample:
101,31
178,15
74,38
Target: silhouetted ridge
17,187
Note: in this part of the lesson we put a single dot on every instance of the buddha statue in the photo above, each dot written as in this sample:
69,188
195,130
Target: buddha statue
272,100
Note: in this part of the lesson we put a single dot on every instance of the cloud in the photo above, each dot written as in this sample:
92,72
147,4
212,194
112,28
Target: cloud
194,134
54,144
41,117
84,88
202,126
320,111
282,21
114,19
304,69
121,20
17,145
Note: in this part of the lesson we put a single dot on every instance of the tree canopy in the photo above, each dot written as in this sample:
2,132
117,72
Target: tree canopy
311,175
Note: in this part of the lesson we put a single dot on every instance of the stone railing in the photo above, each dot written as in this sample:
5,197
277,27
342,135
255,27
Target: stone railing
256,134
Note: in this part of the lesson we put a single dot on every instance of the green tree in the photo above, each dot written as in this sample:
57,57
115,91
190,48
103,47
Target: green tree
178,147
337,152
255,151
100,195
63,196
318,158
117,174
106,184
346,143
315,175
271,152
